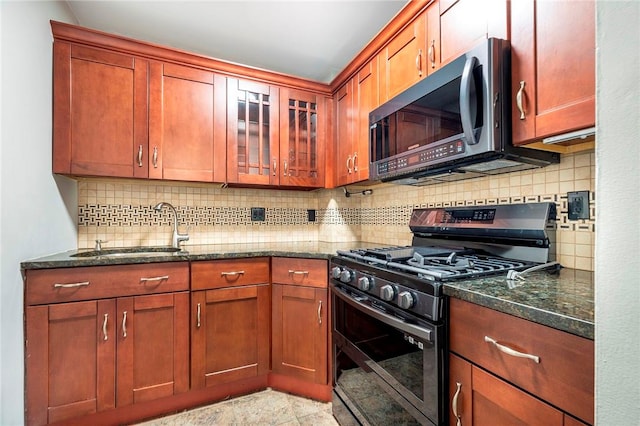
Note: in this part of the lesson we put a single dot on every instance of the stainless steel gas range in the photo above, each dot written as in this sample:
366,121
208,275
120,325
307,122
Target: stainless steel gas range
389,312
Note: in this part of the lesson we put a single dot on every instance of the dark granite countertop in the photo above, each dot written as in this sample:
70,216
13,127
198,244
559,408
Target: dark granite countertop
564,301
306,249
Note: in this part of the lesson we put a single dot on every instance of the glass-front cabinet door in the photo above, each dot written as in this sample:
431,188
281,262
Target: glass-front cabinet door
302,132
252,133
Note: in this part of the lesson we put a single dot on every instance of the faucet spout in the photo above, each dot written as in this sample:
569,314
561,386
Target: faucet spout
177,237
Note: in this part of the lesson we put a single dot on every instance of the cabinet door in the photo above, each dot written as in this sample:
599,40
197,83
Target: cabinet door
553,68
434,59
229,334
252,133
302,136
367,100
460,391
70,360
496,402
299,340
153,347
403,60
187,124
345,122
99,112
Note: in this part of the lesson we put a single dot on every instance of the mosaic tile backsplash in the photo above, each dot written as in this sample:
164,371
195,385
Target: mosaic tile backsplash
121,211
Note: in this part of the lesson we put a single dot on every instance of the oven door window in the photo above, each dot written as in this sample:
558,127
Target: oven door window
404,363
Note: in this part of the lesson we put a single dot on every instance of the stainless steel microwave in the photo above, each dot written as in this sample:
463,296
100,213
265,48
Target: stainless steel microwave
454,124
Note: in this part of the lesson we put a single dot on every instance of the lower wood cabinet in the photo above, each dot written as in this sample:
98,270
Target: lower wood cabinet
230,318
96,354
299,341
507,370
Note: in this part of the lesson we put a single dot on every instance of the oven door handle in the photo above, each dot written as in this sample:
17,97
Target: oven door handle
420,332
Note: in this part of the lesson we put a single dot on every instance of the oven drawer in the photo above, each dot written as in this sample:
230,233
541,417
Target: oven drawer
45,286
564,375
212,274
299,271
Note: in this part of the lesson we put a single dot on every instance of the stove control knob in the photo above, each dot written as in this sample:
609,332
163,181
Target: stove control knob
364,283
387,292
335,272
346,276
406,300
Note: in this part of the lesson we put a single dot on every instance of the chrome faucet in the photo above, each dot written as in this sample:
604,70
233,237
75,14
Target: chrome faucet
177,237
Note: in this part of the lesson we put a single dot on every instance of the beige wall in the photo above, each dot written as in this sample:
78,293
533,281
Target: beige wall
120,211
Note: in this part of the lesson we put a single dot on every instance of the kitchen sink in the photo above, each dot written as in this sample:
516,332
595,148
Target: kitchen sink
129,252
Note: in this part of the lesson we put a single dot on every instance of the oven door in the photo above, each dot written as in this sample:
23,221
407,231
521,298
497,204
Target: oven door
387,370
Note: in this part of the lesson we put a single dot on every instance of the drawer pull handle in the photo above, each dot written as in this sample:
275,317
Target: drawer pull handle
104,326
320,312
198,317
510,351
140,156
231,273
454,404
162,278
82,284
124,324
292,272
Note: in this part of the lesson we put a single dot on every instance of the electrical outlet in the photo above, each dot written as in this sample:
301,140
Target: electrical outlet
311,215
257,214
578,205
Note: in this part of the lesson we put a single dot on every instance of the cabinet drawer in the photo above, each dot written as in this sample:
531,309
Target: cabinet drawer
44,286
229,273
297,271
564,375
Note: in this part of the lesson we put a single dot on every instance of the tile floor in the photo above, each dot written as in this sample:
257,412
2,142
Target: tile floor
267,407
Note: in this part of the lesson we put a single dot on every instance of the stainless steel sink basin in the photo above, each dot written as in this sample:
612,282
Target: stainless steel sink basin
129,252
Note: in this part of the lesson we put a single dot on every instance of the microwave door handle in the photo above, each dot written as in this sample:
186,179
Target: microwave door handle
465,100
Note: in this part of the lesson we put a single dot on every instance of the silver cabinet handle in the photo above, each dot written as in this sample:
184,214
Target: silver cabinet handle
275,166
104,326
155,157
82,284
198,316
320,312
519,96
454,404
355,161
432,53
292,272
231,273
349,161
124,324
161,278
285,168
140,156
419,62
512,352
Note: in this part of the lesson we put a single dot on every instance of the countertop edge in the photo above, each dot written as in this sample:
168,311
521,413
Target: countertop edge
553,320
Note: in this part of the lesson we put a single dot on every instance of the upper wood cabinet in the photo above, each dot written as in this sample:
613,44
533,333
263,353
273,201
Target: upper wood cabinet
100,121
344,133
187,125
303,137
252,132
464,23
403,61
366,100
552,68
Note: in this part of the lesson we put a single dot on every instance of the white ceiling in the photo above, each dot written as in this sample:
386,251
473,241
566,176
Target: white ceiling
304,38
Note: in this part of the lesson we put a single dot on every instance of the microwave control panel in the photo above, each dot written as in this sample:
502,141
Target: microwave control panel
420,158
